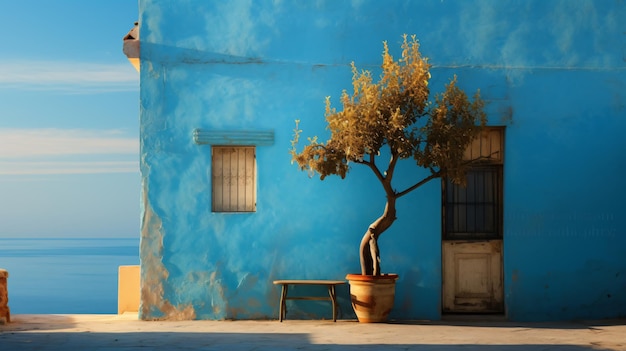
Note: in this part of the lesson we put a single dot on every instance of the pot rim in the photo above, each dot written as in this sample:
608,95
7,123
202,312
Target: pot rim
360,277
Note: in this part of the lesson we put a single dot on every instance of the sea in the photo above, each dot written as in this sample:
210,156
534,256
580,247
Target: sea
65,276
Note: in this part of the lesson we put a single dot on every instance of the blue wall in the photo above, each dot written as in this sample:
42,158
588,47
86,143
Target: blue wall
552,72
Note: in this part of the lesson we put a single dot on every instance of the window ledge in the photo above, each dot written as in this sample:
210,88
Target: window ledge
233,137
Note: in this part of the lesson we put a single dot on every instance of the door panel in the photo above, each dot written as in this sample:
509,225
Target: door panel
472,276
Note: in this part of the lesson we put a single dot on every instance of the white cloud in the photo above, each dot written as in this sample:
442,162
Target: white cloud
66,151
72,77
61,167
19,143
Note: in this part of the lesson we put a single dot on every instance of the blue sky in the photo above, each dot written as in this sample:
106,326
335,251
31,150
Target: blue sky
69,120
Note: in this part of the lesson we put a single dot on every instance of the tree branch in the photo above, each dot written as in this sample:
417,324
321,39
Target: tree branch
418,184
392,166
372,164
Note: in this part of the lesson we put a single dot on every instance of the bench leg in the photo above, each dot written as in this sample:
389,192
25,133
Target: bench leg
333,300
283,307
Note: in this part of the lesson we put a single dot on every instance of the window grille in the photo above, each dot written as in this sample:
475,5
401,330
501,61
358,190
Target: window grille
234,179
474,211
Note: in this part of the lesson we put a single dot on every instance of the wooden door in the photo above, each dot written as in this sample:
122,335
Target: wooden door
472,281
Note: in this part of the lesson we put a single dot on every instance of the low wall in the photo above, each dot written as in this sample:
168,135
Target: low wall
128,289
5,313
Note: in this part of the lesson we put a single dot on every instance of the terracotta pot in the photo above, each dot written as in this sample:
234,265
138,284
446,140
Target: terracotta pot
372,296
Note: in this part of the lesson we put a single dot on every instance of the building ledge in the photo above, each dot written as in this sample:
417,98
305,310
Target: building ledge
131,46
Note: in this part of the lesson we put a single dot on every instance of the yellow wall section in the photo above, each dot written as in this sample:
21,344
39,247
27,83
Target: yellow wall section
128,289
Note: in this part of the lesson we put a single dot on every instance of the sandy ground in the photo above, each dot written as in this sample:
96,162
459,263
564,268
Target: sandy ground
126,332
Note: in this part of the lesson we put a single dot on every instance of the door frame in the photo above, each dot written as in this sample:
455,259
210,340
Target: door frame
487,151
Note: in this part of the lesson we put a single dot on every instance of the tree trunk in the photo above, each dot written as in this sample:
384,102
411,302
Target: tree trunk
368,252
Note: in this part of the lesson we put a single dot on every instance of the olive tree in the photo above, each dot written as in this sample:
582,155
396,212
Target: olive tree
395,118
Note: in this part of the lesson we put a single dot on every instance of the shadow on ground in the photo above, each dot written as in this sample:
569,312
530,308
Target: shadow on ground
48,341
499,323
36,322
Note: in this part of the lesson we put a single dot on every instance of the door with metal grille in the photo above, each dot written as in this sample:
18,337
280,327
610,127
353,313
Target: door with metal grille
472,232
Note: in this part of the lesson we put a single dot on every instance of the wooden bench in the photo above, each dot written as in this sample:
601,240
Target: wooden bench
331,284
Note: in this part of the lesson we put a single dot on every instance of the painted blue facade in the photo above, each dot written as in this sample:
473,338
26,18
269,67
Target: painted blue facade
553,73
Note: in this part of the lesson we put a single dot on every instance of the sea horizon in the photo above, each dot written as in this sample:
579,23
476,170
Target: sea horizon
65,275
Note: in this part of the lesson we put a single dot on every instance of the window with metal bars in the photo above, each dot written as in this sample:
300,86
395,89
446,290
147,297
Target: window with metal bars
474,211
233,178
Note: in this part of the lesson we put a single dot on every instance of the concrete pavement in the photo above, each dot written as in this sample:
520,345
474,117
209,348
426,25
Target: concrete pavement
127,333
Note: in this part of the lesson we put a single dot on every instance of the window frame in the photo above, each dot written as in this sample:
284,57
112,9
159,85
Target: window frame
249,204
486,161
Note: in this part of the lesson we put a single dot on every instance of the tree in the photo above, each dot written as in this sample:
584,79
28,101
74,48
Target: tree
396,113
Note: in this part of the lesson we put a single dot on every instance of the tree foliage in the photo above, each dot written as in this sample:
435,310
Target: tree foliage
396,112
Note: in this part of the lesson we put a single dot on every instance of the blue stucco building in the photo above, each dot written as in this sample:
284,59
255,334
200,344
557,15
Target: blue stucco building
224,212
